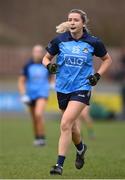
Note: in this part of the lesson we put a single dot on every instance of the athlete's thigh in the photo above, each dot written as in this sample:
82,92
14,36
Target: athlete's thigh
40,105
72,111
85,111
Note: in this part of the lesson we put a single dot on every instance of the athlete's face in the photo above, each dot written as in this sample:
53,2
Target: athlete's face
75,22
37,53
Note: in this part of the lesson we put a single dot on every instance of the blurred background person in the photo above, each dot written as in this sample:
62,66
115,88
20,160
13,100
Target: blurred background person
33,86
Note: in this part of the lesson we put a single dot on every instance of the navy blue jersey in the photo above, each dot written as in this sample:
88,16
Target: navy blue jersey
37,80
75,60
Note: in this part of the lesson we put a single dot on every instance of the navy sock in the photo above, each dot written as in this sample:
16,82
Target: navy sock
40,137
60,160
79,146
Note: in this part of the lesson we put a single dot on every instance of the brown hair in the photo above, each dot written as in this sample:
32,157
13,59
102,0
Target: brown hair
63,27
83,16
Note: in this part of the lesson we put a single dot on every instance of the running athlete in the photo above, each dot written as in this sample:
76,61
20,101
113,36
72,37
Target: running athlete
85,114
33,86
74,80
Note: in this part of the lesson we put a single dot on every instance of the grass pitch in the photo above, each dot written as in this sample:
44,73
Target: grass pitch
105,157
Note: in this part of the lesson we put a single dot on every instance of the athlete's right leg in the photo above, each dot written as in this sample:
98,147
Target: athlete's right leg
76,128
68,119
71,113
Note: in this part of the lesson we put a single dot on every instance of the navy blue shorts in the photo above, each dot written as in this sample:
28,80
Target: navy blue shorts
82,96
32,102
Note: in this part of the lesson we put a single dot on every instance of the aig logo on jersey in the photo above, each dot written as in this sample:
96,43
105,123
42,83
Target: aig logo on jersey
85,50
76,61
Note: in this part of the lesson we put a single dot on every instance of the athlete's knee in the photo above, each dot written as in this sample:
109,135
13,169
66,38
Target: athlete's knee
67,122
38,114
65,126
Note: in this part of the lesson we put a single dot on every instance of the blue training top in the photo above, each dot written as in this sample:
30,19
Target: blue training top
75,60
37,80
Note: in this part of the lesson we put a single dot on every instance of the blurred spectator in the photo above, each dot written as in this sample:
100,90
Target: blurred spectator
33,86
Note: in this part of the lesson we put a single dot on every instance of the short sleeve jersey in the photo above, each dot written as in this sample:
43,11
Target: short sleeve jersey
75,60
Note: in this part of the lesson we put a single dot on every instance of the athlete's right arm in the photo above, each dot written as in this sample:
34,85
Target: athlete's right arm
52,68
21,84
47,59
52,50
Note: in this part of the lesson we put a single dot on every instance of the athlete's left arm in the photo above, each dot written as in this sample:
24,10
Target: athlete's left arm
107,60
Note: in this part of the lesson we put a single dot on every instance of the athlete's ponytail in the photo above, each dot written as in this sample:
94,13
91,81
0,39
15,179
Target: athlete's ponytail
63,27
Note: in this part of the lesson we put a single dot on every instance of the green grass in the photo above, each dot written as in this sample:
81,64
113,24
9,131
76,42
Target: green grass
105,157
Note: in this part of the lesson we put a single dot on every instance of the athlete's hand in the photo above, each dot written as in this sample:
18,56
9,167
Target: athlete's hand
93,79
25,99
52,68
52,86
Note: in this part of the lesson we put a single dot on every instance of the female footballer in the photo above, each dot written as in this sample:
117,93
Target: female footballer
74,79
33,86
85,114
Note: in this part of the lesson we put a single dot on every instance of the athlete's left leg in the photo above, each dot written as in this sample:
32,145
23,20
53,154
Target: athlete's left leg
79,144
85,116
76,135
